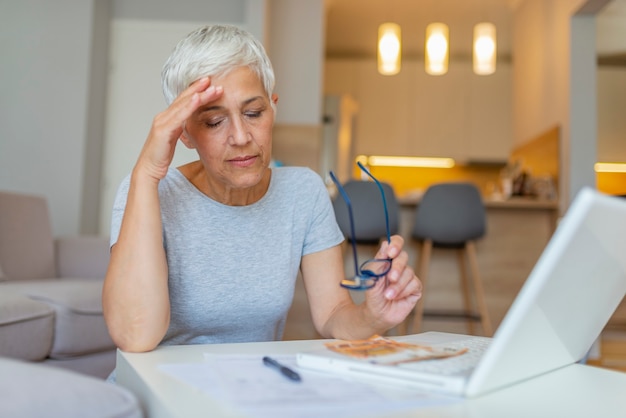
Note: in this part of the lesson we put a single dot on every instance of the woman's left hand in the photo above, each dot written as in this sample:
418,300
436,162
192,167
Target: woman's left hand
394,296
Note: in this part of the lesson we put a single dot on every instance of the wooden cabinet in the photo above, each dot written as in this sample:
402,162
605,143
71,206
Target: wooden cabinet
490,115
459,114
439,126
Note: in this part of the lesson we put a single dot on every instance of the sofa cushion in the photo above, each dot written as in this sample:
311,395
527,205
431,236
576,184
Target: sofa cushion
84,256
26,242
36,390
99,365
26,327
79,326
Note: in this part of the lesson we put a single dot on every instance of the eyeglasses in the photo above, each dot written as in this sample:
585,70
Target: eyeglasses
368,273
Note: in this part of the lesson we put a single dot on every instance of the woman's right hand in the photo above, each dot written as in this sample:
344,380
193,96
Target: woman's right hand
167,127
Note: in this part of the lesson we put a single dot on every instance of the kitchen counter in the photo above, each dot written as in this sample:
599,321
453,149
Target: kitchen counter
514,202
522,203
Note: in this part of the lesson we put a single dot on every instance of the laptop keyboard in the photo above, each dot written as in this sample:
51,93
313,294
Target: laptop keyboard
456,365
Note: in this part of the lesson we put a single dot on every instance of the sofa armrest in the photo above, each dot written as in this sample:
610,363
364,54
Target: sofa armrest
85,257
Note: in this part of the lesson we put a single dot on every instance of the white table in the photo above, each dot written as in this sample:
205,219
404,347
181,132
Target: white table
574,391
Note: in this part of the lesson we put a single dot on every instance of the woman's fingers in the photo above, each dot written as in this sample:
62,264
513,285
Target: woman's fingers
197,94
408,285
168,126
391,249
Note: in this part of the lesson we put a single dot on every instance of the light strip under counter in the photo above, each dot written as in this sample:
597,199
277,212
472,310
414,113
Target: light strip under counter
398,161
610,167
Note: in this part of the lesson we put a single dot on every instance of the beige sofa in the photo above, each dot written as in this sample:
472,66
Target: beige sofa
50,291
30,390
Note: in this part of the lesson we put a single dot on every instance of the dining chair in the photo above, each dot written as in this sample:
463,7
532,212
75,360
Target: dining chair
451,216
368,211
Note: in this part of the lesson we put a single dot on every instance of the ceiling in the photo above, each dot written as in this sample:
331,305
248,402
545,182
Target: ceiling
352,24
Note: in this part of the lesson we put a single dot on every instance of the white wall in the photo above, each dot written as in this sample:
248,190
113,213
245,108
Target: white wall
578,155
296,39
44,80
611,109
94,139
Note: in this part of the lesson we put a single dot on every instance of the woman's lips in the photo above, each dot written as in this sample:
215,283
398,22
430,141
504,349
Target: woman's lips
245,161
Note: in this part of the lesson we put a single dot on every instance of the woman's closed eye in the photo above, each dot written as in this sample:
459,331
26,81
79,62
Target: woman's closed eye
253,114
213,123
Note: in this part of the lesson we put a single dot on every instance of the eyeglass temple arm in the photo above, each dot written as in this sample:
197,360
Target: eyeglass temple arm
382,193
349,204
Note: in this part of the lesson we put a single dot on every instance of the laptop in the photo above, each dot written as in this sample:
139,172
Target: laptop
569,296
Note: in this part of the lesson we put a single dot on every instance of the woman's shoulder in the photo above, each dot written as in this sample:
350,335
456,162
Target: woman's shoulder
295,173
297,188
173,175
302,179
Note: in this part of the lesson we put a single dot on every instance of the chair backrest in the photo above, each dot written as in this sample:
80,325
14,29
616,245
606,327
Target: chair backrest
450,214
26,241
368,211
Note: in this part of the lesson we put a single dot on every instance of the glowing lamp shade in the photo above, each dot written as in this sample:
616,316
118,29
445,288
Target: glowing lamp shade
436,60
389,47
484,48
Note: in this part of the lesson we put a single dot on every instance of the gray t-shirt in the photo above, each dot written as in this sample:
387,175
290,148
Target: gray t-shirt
232,269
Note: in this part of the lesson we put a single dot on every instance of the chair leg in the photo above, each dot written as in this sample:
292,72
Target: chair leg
414,321
478,288
465,288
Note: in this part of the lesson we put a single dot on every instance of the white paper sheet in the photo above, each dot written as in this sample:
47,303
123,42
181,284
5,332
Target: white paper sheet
262,392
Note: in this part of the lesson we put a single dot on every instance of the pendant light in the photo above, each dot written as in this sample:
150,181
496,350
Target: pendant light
389,48
436,60
484,48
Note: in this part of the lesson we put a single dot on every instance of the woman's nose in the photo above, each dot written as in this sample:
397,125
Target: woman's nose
239,134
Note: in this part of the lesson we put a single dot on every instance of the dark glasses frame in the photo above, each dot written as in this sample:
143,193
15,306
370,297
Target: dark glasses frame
368,273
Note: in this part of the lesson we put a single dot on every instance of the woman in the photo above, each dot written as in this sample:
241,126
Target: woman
209,252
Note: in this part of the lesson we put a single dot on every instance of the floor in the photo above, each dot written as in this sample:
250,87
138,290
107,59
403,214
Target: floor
609,352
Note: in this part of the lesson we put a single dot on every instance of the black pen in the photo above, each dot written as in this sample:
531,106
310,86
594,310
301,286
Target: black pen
284,370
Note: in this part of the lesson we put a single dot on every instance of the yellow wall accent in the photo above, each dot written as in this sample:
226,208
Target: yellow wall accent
540,155
408,180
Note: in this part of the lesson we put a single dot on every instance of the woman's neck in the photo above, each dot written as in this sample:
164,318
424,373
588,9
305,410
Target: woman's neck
197,175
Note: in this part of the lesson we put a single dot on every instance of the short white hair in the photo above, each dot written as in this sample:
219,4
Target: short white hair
214,51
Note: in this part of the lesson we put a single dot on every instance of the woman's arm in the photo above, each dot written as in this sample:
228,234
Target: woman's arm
386,305
135,295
